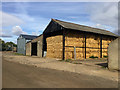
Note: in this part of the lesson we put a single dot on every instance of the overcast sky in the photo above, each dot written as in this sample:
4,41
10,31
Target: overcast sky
33,17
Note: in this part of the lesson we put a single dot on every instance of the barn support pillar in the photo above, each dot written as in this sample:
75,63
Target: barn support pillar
74,53
100,46
85,45
63,45
43,46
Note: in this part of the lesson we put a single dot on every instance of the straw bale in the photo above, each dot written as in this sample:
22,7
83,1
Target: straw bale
69,55
75,39
54,46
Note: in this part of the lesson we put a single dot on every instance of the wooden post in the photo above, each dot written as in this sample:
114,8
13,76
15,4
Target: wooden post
74,53
85,45
100,46
31,48
43,46
63,44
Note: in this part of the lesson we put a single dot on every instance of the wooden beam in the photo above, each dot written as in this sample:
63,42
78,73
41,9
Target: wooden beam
43,45
85,45
31,48
101,46
63,44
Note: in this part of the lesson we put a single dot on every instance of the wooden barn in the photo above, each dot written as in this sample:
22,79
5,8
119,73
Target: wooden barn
65,40
34,47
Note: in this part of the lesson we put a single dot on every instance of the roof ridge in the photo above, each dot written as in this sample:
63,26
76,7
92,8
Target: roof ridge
62,24
77,24
27,35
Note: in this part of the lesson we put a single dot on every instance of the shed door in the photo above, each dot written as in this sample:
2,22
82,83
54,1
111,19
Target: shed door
34,49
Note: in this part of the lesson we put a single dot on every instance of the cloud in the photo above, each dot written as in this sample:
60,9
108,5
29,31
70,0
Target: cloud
5,35
17,31
8,20
100,26
35,33
104,13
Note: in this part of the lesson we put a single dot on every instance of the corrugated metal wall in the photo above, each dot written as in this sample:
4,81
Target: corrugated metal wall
21,42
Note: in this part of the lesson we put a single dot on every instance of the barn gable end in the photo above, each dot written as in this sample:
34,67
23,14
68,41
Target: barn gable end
60,38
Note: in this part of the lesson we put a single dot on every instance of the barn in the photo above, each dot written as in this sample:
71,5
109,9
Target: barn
34,47
21,42
65,40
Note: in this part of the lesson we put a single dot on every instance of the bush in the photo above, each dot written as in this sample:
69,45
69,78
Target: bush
93,57
68,60
105,56
18,54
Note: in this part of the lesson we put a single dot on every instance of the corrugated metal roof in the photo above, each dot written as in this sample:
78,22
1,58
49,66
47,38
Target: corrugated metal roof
74,26
28,37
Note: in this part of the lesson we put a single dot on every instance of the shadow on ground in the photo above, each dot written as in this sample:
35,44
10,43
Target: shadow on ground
103,64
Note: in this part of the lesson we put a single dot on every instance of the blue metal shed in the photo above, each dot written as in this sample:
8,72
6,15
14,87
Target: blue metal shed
21,42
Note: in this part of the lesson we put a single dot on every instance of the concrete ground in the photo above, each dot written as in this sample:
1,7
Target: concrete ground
93,68
90,74
17,75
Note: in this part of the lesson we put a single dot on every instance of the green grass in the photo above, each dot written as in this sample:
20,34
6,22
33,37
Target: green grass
77,63
68,60
18,54
93,57
105,56
103,67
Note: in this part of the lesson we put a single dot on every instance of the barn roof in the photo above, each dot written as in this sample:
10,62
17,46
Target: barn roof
28,37
74,26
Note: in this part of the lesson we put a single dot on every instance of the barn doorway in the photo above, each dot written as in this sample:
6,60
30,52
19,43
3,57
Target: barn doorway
34,49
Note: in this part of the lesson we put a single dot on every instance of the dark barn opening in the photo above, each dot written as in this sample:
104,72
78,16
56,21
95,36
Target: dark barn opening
34,49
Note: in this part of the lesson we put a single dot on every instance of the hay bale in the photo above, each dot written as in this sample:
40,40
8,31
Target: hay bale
54,46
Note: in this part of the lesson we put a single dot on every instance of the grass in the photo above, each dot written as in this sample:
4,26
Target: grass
103,67
93,57
105,56
77,63
18,54
68,60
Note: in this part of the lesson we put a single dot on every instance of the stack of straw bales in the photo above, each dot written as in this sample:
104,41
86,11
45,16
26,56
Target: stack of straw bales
105,44
74,40
55,46
93,45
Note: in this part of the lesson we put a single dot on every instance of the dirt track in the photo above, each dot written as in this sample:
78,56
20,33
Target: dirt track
17,75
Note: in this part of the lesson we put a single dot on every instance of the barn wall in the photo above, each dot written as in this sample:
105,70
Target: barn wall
39,41
28,49
39,46
55,46
113,55
77,39
21,42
